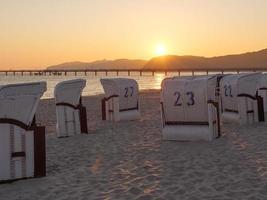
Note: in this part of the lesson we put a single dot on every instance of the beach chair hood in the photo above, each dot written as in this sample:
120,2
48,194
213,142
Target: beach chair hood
69,91
20,101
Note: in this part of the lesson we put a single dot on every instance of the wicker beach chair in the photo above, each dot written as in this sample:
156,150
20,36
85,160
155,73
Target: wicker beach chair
239,100
22,141
121,101
189,108
71,114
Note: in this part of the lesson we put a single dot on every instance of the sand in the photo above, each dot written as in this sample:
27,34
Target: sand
128,160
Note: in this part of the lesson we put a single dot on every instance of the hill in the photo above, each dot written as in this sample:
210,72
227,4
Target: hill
100,64
251,60
240,61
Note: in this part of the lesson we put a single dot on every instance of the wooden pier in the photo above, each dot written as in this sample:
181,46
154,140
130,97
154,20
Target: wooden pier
129,72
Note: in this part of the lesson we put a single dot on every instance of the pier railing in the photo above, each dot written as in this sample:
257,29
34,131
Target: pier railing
128,72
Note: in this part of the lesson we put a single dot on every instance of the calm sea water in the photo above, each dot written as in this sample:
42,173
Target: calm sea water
93,86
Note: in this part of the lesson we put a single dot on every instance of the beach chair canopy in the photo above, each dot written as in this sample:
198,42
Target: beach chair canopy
20,101
69,91
233,85
185,98
126,89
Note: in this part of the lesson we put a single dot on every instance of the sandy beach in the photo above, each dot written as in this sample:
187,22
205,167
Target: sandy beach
129,160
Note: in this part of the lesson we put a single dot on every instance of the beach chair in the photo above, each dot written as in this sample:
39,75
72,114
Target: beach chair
121,101
71,114
22,141
239,99
189,108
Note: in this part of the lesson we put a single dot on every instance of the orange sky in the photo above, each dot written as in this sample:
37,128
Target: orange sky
38,33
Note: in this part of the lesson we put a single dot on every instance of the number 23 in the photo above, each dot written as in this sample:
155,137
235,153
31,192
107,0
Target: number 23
190,102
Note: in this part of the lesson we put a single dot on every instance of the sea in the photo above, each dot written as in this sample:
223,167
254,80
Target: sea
93,85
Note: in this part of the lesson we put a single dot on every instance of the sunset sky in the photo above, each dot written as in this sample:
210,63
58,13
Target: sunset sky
38,33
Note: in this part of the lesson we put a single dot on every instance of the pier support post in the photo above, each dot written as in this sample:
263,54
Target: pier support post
129,72
106,72
153,73
95,73
165,73
117,72
141,73
75,73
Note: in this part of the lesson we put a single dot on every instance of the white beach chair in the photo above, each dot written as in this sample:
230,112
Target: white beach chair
189,110
238,98
121,100
22,142
71,115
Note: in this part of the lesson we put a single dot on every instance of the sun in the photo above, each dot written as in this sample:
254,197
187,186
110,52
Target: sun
160,50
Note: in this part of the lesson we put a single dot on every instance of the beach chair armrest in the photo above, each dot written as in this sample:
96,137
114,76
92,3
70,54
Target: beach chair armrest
75,107
110,97
247,95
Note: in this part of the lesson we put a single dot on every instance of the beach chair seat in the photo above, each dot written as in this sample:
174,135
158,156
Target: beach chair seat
189,108
239,98
121,101
22,141
70,113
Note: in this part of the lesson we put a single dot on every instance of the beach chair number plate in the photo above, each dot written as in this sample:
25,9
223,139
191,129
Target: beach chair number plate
228,91
190,101
126,95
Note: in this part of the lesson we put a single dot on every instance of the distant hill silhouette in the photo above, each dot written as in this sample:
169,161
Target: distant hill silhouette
101,64
250,60
241,61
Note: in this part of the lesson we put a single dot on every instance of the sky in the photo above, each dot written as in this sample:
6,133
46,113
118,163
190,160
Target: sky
38,33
